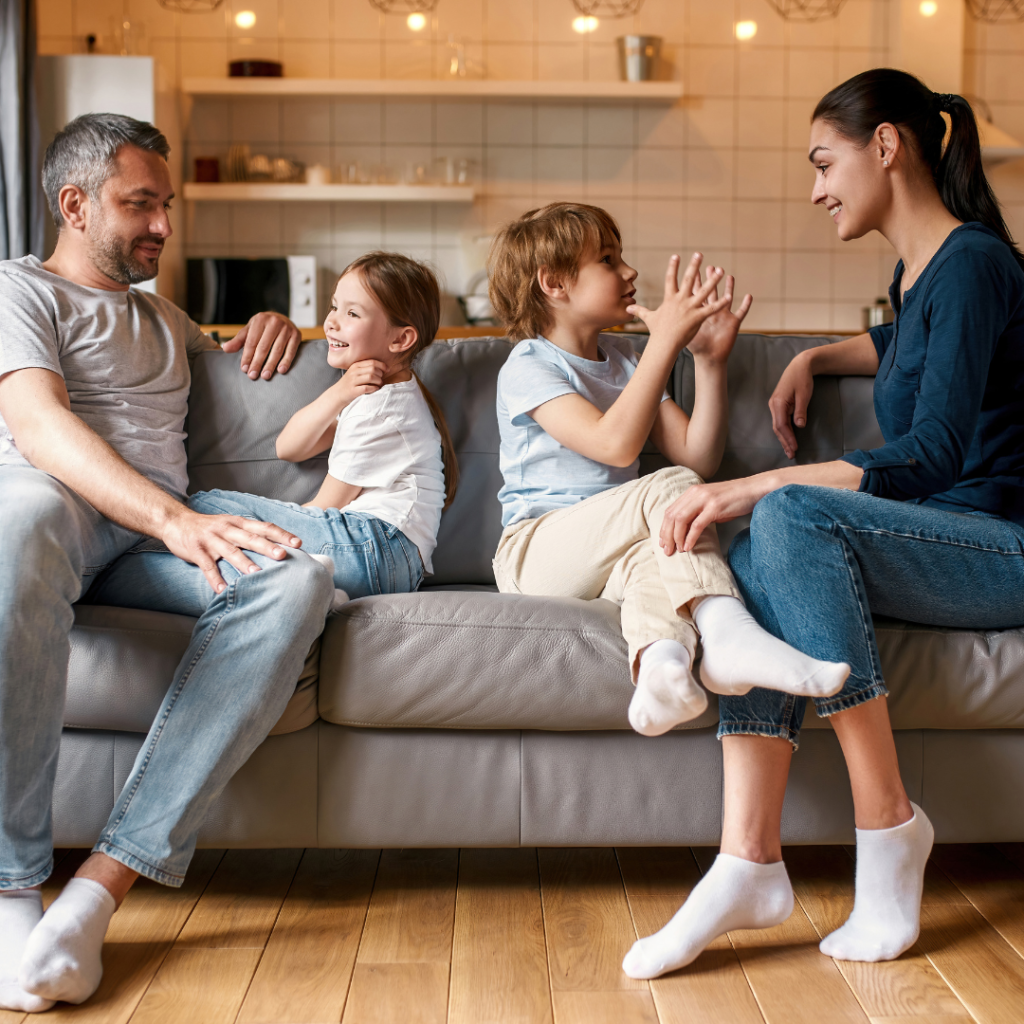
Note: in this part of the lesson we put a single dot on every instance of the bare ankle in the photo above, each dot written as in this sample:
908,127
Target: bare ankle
754,850
114,876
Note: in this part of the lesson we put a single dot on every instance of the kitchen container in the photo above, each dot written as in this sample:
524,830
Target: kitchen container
878,314
638,57
255,69
207,168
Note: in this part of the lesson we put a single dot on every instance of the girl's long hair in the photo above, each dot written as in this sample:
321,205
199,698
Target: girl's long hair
858,106
408,293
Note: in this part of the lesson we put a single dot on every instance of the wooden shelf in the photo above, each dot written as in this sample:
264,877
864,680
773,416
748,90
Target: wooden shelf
463,88
250,191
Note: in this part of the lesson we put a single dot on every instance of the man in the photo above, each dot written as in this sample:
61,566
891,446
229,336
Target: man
94,378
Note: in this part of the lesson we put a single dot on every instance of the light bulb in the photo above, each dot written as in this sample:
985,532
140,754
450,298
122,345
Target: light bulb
245,19
416,21
584,24
746,29
928,7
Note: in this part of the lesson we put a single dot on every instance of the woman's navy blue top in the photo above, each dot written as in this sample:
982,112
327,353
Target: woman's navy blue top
949,393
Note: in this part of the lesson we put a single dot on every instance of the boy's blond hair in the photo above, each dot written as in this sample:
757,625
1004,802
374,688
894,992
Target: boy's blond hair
557,236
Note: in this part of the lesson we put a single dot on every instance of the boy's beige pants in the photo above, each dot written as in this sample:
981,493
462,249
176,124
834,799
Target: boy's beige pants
607,546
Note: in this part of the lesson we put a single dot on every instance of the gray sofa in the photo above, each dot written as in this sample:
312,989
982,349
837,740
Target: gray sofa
462,717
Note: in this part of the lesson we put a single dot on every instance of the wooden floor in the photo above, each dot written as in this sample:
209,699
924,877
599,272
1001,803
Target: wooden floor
524,936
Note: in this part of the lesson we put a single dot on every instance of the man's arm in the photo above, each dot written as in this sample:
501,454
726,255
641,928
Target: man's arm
35,406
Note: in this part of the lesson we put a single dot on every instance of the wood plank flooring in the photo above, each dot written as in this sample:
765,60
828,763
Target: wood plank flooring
536,937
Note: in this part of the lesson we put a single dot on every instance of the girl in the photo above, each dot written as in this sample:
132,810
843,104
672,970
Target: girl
374,520
574,411
935,534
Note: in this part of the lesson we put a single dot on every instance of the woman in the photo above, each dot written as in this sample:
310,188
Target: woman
928,528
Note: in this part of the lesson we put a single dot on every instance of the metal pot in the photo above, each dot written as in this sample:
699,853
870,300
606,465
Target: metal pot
638,57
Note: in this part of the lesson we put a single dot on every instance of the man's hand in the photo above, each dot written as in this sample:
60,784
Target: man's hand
685,307
269,342
362,378
203,540
715,338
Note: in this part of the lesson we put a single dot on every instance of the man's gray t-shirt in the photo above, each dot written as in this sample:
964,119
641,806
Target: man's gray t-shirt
124,357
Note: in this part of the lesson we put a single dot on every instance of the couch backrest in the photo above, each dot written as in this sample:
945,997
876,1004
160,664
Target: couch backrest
234,422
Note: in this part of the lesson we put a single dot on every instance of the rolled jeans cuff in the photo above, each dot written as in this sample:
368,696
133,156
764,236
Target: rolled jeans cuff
136,863
27,881
825,707
781,732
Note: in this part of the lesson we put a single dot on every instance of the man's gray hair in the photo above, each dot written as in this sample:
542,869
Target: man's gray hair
83,152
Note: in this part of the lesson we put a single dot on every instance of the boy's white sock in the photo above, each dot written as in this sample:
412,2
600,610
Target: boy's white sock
20,911
739,654
734,894
340,597
62,957
886,918
666,692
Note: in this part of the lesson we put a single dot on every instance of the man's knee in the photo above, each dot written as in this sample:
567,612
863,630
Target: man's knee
303,582
37,513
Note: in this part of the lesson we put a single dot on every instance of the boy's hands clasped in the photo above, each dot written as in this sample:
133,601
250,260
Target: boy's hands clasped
692,314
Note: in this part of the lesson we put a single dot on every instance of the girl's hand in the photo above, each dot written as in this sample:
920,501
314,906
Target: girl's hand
685,307
687,517
717,335
789,402
362,378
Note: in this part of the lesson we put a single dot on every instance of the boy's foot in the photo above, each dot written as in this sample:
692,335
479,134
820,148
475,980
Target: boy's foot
739,654
734,894
62,957
886,918
666,693
20,911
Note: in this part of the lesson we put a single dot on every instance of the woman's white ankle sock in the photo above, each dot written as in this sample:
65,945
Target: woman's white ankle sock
739,654
666,693
734,894
20,912
886,918
62,957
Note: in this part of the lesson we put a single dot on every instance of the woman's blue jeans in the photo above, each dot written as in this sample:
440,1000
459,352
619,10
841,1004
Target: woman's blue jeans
370,556
818,561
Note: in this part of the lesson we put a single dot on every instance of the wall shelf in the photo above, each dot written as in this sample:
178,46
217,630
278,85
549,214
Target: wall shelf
250,191
658,92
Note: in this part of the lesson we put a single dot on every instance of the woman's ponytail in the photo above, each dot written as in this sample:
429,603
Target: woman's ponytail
858,106
408,292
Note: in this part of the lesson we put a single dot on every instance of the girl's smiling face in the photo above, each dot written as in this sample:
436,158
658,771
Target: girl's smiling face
357,328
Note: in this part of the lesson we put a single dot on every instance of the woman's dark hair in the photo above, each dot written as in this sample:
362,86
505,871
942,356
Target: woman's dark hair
409,294
858,106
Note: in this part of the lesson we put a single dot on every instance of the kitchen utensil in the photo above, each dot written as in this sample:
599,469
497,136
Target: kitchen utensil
260,168
476,307
638,57
283,169
238,162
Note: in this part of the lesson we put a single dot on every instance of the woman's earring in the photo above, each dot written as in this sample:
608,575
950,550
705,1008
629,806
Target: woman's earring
885,163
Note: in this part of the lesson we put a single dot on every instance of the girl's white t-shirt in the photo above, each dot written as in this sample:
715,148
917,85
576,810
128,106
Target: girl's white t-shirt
386,442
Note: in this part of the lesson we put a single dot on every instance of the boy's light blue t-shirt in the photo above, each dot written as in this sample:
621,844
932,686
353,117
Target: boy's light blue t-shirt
541,474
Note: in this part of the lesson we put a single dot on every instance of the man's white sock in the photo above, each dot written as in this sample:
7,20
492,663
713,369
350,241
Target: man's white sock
666,693
886,918
739,654
734,894
20,911
62,957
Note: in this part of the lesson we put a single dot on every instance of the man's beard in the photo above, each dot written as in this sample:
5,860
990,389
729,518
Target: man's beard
113,256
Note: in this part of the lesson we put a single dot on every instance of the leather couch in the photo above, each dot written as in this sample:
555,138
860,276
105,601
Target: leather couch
458,716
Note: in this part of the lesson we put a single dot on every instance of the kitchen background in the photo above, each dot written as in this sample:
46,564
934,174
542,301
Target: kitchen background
724,170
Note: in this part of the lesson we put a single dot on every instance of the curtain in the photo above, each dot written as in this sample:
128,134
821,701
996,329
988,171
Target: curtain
21,193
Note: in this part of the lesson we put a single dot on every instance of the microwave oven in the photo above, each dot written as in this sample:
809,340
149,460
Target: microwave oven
230,291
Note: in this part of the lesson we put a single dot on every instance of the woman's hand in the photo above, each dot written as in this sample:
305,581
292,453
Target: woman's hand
789,401
716,336
688,516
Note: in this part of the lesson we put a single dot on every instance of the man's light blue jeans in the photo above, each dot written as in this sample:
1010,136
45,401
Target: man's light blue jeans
818,561
231,687
370,556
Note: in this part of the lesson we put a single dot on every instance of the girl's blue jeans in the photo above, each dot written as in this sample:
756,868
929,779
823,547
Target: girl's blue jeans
818,561
370,556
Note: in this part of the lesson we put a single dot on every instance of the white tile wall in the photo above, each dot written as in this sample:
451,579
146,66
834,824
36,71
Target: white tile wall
723,171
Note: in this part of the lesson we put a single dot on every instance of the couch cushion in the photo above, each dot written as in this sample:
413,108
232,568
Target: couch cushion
449,659
123,662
